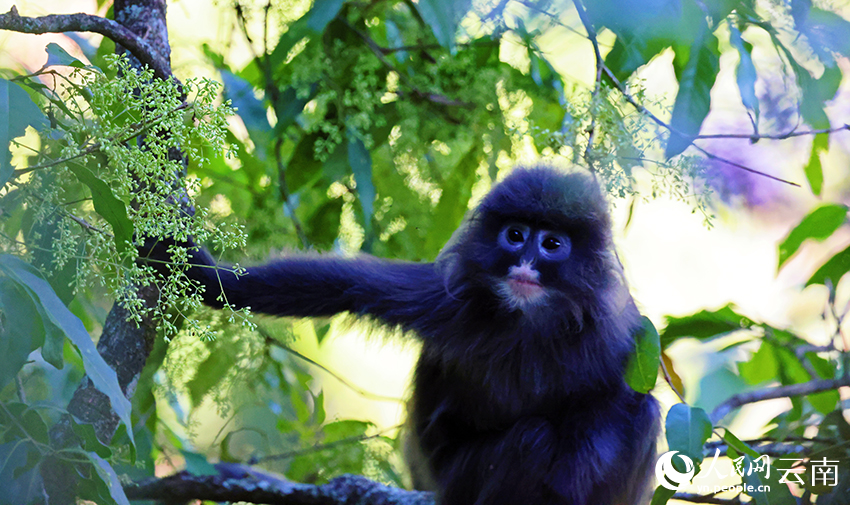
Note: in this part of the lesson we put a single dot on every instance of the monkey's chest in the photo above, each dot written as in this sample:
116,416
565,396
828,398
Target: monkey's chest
493,394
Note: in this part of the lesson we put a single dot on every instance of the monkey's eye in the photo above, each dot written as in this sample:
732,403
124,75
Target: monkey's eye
554,246
513,236
551,243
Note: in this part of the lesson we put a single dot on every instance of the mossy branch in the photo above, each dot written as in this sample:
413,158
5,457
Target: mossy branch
60,23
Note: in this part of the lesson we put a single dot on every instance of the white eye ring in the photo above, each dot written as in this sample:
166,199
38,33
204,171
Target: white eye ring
555,246
514,236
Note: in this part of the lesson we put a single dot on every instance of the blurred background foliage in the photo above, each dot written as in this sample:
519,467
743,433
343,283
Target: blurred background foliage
373,127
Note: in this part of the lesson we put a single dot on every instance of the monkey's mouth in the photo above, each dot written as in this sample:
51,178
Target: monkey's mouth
525,287
521,289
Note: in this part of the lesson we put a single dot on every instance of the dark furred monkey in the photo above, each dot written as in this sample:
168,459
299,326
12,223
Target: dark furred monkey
526,323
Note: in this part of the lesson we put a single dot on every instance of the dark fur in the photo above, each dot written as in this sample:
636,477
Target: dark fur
510,406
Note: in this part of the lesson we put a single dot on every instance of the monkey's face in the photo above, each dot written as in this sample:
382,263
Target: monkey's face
529,263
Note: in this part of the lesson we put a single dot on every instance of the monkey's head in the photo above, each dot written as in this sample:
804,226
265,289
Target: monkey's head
541,238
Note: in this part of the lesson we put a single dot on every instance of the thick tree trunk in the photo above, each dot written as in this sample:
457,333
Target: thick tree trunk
124,345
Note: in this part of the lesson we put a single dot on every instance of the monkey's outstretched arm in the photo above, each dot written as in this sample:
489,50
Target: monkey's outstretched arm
398,293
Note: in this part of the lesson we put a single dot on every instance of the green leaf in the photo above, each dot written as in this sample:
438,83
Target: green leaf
58,56
443,17
361,165
687,430
454,202
345,428
197,464
825,401
44,234
814,169
110,479
319,413
631,52
102,376
51,336
622,60
311,24
693,101
20,488
109,206
827,33
834,421
250,109
299,406
758,481
790,370
662,495
89,439
833,269
736,443
754,482
23,422
22,331
544,74
745,74
642,368
210,373
17,111
288,105
818,225
762,366
704,325
815,93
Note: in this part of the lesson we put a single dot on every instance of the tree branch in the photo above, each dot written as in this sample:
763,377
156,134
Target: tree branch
129,133
80,22
643,110
745,168
699,498
245,484
755,137
803,389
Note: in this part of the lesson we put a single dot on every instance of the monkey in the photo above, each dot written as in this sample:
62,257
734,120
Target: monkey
526,323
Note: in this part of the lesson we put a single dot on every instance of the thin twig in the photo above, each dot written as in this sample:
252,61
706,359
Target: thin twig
755,137
132,131
362,392
591,35
634,103
425,47
802,389
745,168
59,23
329,445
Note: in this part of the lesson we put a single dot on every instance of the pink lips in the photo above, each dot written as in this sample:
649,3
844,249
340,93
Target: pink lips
524,286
